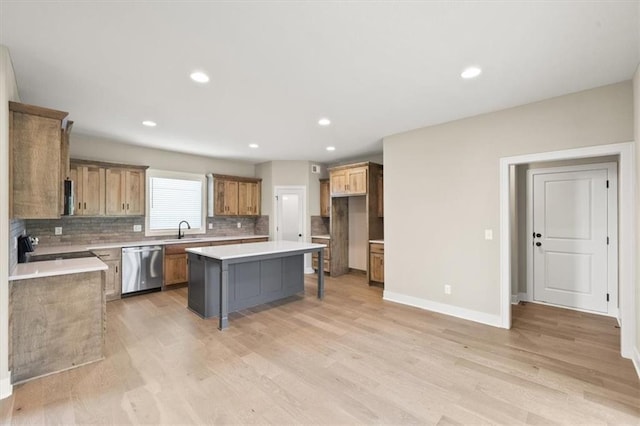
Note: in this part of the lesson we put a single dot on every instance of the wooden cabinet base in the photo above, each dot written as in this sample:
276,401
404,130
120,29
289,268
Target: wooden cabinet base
56,323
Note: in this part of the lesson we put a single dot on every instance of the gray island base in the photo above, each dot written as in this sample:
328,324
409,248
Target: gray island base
229,278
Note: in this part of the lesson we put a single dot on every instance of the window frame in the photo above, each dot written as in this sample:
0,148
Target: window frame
167,174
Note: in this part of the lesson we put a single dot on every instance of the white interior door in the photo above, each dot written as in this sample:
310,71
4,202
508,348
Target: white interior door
290,214
570,239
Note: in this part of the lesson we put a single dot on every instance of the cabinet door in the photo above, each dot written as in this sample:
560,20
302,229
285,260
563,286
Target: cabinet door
376,263
92,197
134,192
357,180
339,182
244,199
380,197
219,207
325,199
36,162
248,198
113,283
231,197
175,269
64,164
115,192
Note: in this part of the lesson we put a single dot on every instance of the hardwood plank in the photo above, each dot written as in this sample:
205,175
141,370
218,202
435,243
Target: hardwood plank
350,358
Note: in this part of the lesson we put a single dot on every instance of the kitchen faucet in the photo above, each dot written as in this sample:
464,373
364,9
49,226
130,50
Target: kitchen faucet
180,233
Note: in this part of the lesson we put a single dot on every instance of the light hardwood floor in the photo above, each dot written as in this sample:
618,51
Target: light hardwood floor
352,358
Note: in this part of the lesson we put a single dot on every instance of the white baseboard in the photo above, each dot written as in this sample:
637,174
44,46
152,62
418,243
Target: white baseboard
309,270
523,297
636,360
515,299
6,389
442,308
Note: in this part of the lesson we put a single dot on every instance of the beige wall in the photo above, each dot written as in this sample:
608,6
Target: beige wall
93,148
449,177
8,92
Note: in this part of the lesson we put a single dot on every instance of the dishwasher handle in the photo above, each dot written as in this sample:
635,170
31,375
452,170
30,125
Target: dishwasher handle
141,250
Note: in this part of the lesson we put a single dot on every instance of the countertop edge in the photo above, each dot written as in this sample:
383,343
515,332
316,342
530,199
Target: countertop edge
52,268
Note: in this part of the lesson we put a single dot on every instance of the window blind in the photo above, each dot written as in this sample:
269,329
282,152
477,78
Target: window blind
174,200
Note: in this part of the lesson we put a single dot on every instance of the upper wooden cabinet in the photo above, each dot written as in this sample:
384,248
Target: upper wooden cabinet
348,180
39,160
125,191
325,198
236,196
88,189
248,198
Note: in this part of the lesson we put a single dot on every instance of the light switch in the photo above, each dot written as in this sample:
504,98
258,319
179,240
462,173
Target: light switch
58,230
210,225
137,228
239,224
488,234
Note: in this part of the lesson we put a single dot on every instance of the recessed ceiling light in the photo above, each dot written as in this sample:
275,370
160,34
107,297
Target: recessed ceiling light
471,72
324,121
149,123
254,145
331,148
199,77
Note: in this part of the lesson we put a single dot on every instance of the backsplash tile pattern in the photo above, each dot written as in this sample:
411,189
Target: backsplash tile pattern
319,225
16,228
89,230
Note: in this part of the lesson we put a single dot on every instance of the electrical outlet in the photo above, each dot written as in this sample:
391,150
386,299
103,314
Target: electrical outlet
239,224
488,234
58,230
137,228
447,289
210,225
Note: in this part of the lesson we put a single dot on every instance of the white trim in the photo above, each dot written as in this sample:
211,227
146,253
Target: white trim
524,297
612,226
626,231
6,388
636,360
442,308
515,299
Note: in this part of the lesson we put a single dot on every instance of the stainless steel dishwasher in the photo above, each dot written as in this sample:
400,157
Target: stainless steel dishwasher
141,269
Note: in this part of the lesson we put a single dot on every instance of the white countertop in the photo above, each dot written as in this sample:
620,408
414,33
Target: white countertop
324,237
377,241
252,249
49,268
101,246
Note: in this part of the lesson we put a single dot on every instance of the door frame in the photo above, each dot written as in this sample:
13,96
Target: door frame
305,237
626,230
612,231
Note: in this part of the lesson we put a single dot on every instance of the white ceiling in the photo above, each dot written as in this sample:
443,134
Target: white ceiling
374,68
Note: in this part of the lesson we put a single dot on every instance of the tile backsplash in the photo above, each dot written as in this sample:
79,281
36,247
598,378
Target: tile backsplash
16,228
84,230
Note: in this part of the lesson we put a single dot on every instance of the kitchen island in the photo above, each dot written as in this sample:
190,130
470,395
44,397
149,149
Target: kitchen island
229,278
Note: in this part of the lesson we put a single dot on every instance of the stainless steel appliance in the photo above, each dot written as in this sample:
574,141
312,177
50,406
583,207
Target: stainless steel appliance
141,269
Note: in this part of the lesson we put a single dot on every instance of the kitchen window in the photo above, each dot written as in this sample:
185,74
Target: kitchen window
173,197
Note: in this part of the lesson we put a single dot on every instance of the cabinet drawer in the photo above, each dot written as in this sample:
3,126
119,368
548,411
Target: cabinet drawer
180,248
327,250
376,248
314,264
108,254
255,240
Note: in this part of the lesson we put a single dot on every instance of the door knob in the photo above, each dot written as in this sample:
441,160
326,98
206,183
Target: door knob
538,244
536,235
299,235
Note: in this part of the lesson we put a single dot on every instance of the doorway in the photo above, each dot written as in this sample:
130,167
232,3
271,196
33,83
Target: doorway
290,214
572,231
626,231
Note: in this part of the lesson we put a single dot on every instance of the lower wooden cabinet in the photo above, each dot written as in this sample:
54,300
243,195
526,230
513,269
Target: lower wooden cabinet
376,262
176,259
326,253
113,277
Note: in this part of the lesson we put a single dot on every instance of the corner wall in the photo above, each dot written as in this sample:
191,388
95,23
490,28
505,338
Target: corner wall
636,131
8,92
449,177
